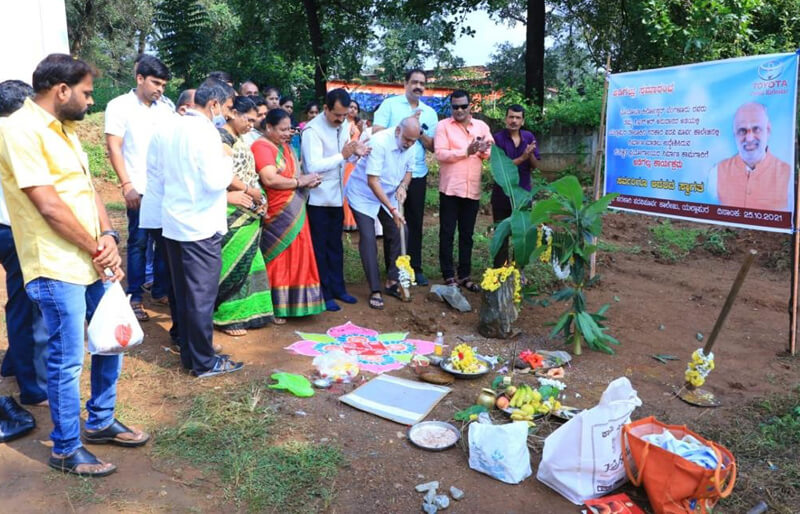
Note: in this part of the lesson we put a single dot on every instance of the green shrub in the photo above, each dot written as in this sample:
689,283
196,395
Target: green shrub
674,243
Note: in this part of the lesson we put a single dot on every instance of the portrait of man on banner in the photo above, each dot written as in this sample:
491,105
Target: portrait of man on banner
754,178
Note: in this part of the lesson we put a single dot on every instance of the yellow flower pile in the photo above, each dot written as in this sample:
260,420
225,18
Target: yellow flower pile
545,237
493,278
699,367
406,272
463,359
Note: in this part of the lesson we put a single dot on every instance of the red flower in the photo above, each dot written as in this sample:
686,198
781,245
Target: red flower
534,360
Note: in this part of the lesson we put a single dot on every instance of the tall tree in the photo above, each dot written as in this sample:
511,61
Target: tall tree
182,25
534,52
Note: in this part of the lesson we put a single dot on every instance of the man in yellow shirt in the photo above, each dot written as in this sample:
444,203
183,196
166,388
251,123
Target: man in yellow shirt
64,245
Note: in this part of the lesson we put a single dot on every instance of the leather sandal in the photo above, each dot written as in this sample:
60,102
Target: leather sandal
469,285
70,463
376,301
110,435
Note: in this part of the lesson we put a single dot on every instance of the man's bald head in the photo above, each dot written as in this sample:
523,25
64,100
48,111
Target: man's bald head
752,129
407,132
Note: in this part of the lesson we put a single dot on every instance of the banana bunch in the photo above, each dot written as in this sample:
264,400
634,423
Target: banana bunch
525,395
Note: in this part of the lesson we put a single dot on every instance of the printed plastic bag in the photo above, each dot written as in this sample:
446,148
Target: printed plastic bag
500,451
336,366
114,327
582,459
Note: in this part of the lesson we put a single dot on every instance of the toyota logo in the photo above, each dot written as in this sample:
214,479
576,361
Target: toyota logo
770,70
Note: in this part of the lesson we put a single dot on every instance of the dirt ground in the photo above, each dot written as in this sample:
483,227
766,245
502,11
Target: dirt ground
655,308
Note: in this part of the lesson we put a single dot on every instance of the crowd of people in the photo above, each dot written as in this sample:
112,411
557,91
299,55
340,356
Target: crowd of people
238,210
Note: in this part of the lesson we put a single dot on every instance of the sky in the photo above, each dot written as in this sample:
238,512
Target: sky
488,33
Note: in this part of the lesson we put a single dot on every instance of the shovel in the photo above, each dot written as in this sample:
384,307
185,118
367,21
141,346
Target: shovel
702,397
405,273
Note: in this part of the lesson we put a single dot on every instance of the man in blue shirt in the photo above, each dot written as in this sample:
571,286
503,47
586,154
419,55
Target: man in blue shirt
391,112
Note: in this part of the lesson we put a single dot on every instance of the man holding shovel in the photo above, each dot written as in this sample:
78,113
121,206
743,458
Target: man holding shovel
379,184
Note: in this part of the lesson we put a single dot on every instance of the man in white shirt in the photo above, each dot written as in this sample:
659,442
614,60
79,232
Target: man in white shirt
388,115
130,122
377,184
26,358
325,147
195,175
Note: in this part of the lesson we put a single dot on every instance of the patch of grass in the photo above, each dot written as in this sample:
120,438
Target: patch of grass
99,165
717,240
82,492
674,243
765,440
781,259
116,206
353,269
432,198
609,247
231,434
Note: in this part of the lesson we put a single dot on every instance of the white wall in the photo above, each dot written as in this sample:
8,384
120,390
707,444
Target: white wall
29,31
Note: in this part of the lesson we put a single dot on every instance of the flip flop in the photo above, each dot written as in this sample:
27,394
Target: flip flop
376,302
109,435
393,290
70,463
469,285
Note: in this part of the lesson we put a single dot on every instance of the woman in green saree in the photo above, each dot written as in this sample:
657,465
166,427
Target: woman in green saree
244,300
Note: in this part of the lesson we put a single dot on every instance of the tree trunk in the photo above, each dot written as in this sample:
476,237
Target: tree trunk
317,46
534,52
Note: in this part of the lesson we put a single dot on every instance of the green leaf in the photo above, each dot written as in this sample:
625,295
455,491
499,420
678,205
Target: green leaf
543,210
317,338
563,294
587,327
501,232
602,311
561,323
463,415
523,237
599,206
570,188
505,174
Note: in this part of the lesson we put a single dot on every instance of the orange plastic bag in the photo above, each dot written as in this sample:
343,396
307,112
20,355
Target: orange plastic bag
675,485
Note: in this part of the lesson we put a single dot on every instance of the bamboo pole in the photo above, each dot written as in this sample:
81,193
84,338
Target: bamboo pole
795,266
598,164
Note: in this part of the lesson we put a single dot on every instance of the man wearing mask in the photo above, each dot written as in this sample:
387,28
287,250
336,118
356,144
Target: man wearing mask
390,113
130,121
462,144
194,176
325,147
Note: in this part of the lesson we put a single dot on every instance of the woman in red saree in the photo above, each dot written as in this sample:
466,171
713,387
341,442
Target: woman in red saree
286,240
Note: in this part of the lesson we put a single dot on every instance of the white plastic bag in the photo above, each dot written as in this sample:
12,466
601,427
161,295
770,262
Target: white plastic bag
500,451
337,366
583,458
114,327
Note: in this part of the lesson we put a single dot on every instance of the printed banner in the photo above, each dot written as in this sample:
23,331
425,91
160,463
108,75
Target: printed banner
710,142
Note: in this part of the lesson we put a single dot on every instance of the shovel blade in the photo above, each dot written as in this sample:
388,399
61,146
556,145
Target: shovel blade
698,397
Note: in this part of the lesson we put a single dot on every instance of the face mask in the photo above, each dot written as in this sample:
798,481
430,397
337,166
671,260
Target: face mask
218,120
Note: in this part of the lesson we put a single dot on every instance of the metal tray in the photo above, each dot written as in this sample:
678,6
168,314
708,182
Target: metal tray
440,424
448,367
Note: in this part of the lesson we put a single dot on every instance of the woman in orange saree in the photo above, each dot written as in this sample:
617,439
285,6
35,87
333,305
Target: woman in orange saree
355,134
286,239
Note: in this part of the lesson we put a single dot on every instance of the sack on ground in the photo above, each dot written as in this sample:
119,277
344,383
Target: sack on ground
498,311
582,459
500,451
675,484
114,327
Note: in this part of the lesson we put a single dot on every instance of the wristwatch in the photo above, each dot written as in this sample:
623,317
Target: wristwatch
113,233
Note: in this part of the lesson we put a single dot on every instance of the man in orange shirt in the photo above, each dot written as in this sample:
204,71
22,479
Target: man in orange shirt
754,178
461,144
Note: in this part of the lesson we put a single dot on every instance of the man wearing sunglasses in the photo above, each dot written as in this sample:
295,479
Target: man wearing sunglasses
461,145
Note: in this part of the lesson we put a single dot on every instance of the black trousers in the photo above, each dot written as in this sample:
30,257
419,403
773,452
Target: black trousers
195,268
462,212
326,225
161,250
499,213
414,211
368,247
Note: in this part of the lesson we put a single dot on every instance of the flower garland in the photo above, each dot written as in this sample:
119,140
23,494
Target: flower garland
493,278
405,271
699,367
545,237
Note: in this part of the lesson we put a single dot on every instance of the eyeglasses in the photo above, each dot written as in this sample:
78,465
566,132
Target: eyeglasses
458,107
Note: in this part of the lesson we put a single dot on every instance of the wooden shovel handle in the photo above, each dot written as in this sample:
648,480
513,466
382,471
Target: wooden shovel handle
726,308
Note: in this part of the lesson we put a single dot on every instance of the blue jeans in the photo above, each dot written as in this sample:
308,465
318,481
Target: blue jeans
138,242
65,307
27,336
